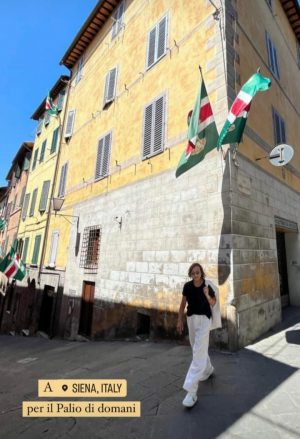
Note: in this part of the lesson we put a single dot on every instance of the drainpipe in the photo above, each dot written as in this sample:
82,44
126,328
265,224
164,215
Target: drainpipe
61,126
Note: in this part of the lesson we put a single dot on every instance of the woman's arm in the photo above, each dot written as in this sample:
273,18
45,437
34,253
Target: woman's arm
180,315
211,300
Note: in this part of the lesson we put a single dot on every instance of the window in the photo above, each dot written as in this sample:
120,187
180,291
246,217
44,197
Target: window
25,250
44,196
272,56
36,250
39,126
8,211
110,86
54,140
42,155
79,70
14,204
62,181
33,201
154,127
53,249
103,157
22,196
279,128
90,248
25,206
157,42
60,100
35,159
47,118
118,20
70,124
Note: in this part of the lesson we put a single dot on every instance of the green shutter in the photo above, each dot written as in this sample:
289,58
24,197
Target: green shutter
44,196
43,151
33,200
35,159
60,100
25,250
36,250
54,140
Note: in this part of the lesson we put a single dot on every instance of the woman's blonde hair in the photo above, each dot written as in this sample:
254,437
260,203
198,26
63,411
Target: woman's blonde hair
196,264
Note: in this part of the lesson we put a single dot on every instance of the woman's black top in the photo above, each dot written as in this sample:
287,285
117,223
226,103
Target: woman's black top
197,302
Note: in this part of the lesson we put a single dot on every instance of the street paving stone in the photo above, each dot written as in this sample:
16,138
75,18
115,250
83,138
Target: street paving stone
254,393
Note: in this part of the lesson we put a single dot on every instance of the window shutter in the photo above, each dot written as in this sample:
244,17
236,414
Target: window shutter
151,47
103,156
158,125
70,124
43,151
22,196
110,86
54,140
35,159
53,248
44,196
60,100
276,67
162,38
26,162
25,250
118,16
25,206
282,131
79,70
39,126
33,200
62,181
36,249
148,124
47,119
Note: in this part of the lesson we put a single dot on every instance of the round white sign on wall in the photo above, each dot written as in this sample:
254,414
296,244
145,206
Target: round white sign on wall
281,154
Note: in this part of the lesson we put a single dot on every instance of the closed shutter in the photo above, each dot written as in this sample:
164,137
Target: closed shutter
36,250
54,140
22,197
42,156
279,128
44,196
118,17
25,250
151,47
47,118
154,128
25,206
33,201
60,100
26,162
62,181
53,249
79,70
110,86
70,124
35,159
103,157
162,38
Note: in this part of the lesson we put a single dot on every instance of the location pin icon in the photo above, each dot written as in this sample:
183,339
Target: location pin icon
64,387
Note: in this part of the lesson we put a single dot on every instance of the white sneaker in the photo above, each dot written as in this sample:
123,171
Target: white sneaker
208,374
190,400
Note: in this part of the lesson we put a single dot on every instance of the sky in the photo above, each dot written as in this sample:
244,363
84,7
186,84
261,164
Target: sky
35,34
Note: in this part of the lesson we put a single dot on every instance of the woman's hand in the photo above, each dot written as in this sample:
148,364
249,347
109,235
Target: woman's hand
179,325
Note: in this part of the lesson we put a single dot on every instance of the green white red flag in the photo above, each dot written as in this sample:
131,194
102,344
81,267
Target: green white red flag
13,266
202,133
50,107
234,126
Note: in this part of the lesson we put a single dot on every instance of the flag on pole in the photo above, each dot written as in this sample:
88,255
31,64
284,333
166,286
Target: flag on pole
2,224
234,126
50,107
202,133
13,266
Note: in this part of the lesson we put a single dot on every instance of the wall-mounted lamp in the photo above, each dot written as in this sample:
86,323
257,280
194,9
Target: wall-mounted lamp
57,205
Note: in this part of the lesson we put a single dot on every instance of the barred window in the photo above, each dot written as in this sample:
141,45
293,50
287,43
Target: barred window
90,248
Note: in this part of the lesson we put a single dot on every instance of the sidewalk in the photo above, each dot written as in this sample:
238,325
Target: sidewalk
255,392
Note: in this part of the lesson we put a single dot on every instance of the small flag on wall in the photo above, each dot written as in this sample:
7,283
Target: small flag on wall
50,107
13,266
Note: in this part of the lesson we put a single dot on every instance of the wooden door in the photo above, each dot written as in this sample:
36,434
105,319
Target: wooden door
86,310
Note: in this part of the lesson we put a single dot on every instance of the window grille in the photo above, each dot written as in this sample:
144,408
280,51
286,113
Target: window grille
90,249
